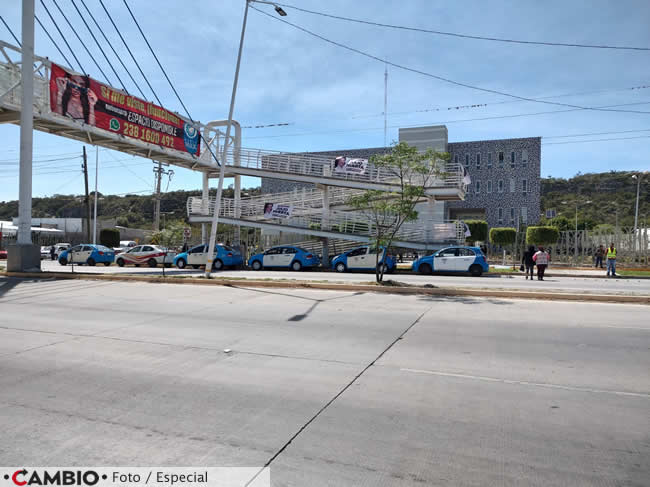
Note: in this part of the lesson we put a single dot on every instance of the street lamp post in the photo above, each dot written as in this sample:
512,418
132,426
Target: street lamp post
636,211
224,154
575,250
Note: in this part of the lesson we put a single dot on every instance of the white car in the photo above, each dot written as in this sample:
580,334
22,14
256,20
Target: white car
58,249
150,255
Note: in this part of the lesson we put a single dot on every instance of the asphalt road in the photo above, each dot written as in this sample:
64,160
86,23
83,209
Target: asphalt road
330,388
490,281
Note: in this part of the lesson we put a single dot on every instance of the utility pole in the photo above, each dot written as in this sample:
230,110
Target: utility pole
159,172
386,105
636,211
87,200
95,209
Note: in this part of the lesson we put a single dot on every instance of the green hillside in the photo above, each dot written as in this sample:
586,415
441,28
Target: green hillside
607,193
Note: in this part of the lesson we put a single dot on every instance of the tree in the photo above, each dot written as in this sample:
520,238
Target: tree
505,237
478,230
542,235
109,237
413,171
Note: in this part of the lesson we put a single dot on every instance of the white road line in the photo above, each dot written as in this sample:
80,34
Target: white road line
525,383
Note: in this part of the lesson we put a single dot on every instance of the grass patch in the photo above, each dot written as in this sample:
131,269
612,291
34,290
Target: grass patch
633,273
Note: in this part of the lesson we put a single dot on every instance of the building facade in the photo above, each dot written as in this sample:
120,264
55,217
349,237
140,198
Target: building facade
505,176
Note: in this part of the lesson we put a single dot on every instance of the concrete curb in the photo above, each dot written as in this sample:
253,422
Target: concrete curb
409,290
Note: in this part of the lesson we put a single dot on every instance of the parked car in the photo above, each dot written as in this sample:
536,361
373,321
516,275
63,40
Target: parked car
453,259
3,254
225,256
45,251
87,254
60,248
285,256
124,246
151,255
363,259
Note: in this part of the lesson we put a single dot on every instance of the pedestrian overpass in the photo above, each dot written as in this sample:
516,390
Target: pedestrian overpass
333,188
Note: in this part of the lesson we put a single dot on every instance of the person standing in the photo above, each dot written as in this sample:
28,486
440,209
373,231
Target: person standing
541,258
600,253
52,252
611,260
528,262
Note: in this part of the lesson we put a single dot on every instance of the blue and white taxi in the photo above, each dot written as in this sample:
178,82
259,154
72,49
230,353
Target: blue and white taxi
363,259
224,256
87,254
286,256
453,259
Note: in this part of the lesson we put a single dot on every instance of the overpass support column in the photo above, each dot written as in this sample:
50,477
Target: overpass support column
205,198
325,225
431,203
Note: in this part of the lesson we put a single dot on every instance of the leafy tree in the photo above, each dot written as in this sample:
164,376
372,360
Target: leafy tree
505,237
542,235
478,230
110,237
413,172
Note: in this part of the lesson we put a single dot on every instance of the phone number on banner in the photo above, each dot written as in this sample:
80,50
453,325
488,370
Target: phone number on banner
147,135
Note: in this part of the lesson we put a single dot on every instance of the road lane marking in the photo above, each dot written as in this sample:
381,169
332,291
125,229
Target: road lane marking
525,383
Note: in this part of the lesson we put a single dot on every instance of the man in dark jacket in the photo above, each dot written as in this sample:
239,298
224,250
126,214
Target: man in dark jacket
528,262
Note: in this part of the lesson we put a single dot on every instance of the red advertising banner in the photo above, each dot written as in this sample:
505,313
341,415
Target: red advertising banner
87,100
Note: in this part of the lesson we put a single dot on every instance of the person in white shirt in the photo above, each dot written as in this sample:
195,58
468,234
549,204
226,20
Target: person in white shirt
541,259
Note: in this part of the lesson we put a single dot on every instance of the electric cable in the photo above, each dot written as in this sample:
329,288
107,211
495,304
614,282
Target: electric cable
465,36
597,140
99,46
110,44
434,76
83,44
81,68
17,41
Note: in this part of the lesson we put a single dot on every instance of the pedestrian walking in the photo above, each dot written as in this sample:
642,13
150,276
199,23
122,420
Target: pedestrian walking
541,258
528,262
52,252
611,260
600,253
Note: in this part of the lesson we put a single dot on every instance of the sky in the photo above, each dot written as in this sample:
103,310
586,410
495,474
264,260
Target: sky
333,98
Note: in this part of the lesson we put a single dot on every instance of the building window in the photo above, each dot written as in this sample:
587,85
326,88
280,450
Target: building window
478,187
466,160
489,160
512,216
500,186
524,158
501,159
478,161
500,216
512,159
456,158
489,186
512,185
524,185
524,215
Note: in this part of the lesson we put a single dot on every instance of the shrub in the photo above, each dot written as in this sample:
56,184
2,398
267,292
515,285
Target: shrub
503,236
109,237
542,235
478,229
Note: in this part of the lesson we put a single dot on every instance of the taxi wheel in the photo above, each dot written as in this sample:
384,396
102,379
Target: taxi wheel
107,264
180,263
63,261
424,269
382,268
217,265
257,265
340,267
120,262
152,263
476,270
296,266
91,262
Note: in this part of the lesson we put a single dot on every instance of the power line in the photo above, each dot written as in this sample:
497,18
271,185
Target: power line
110,44
496,117
130,53
16,39
83,44
52,40
99,46
466,36
598,140
430,75
81,68
595,133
